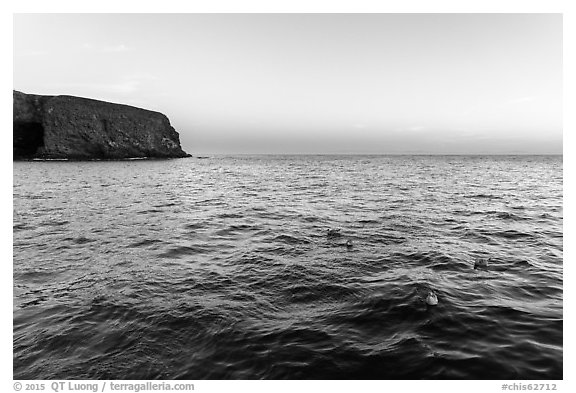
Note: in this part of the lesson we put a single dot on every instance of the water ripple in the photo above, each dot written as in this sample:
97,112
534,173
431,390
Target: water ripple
222,268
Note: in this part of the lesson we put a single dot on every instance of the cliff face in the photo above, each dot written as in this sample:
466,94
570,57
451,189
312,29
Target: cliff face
81,128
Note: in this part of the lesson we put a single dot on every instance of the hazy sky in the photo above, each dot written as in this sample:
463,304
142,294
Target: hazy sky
313,83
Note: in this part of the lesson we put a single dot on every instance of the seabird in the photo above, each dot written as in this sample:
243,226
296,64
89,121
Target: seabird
334,233
431,299
481,263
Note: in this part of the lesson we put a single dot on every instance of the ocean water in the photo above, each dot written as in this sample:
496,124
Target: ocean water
221,268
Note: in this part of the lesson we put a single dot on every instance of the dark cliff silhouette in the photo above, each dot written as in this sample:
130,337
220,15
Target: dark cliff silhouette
66,127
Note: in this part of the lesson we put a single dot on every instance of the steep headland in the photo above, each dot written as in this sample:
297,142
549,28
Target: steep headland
80,128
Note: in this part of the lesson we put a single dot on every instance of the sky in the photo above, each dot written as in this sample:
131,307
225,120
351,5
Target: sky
313,83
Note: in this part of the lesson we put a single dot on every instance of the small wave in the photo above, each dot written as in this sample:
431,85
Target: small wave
513,234
435,260
230,215
290,239
38,197
149,211
181,251
196,225
56,223
145,242
80,240
483,196
547,216
21,226
479,236
166,205
509,216
383,310
369,221
318,292
386,239
235,230
35,302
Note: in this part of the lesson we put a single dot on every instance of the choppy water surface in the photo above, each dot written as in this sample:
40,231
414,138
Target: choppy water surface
221,268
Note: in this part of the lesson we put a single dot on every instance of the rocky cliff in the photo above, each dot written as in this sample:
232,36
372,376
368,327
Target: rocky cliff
81,128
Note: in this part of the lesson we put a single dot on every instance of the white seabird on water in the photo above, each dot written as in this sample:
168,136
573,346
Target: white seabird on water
431,299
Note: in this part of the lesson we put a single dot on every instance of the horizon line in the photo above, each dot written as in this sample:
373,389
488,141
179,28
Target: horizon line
374,154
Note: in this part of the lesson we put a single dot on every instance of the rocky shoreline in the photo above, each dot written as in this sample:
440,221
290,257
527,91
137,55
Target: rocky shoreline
75,128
